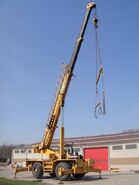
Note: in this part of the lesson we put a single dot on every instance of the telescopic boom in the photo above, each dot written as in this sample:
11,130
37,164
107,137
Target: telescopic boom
64,84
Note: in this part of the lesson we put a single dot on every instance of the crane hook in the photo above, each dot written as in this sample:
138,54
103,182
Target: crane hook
95,21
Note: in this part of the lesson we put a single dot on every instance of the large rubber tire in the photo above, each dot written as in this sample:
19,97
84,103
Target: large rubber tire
78,175
37,170
65,166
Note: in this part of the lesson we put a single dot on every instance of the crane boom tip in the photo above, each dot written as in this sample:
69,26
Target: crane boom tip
91,5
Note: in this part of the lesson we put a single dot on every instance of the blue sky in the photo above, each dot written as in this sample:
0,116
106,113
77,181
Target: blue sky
36,36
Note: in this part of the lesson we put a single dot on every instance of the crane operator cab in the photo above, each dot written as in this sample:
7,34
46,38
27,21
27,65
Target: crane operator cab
71,153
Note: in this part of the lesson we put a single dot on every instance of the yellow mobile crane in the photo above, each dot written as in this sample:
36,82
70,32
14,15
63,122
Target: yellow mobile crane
58,162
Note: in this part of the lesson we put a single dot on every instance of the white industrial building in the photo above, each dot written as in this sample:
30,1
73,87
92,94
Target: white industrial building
118,151
125,156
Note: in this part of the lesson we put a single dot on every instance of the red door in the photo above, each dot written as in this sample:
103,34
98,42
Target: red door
100,155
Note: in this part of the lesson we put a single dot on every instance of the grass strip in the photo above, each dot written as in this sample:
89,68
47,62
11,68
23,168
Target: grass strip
4,181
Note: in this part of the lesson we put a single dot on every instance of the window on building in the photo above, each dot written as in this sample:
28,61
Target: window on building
117,147
29,151
131,146
16,151
22,151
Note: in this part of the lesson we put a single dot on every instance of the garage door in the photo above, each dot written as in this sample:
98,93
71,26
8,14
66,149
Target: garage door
100,155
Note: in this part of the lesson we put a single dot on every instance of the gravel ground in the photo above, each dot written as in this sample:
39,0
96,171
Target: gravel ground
125,178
